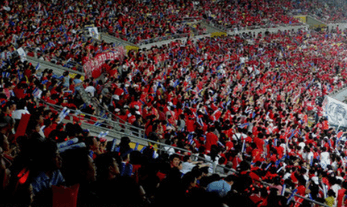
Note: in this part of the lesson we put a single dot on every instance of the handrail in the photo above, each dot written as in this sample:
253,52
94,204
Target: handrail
58,67
139,138
308,199
177,148
167,37
266,26
104,33
125,125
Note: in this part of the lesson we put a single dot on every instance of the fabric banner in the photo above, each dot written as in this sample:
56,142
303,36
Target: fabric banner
22,54
218,34
93,32
336,111
65,196
93,68
129,47
22,127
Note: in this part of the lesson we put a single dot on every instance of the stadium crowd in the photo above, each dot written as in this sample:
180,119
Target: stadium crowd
242,102
326,11
61,40
245,14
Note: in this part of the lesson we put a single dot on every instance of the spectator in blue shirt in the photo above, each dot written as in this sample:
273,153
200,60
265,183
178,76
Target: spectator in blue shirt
221,187
46,171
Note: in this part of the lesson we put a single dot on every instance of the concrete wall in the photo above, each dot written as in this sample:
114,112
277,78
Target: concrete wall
295,28
314,22
341,26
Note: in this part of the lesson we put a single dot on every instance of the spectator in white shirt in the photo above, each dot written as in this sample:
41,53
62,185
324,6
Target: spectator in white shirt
188,164
90,89
324,158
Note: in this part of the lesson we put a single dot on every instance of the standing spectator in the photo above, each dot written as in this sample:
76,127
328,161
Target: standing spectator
211,139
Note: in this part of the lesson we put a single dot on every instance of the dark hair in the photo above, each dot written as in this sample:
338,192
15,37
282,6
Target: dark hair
186,158
173,156
103,162
76,162
187,179
124,145
229,178
43,157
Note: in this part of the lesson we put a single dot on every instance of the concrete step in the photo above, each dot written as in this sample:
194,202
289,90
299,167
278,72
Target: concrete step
211,28
111,39
57,69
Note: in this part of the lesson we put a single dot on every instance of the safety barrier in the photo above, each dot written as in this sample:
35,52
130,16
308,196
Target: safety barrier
158,146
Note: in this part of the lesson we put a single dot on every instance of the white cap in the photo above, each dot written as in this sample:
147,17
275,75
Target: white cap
116,110
138,113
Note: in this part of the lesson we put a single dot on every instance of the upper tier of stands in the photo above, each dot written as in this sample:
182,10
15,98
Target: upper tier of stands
246,98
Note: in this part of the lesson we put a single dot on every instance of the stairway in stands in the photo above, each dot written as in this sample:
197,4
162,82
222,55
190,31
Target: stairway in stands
211,28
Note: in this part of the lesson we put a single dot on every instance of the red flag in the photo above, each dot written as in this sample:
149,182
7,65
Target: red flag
65,196
23,123
339,134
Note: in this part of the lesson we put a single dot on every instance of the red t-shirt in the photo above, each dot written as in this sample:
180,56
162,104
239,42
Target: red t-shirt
340,195
211,139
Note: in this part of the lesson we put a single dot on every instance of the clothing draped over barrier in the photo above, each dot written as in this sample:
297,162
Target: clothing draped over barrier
335,111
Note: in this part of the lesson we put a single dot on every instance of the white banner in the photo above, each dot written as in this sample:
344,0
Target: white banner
336,111
22,54
93,32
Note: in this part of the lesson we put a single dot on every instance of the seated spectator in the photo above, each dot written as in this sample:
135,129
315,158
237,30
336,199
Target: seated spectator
114,189
78,168
221,187
46,172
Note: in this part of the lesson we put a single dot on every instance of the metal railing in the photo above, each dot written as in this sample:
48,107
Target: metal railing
57,61
163,38
132,39
266,25
113,132
297,195
161,147
54,66
117,124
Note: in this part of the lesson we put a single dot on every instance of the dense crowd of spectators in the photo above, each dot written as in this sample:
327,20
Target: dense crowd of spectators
243,109
239,101
39,27
240,98
245,14
327,11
